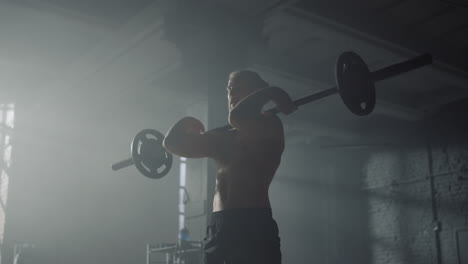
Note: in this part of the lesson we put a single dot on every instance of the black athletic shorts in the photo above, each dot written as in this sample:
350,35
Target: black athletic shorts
242,236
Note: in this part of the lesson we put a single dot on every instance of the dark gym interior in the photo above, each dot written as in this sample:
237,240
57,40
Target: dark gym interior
79,79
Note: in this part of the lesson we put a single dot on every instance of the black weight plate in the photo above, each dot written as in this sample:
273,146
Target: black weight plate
148,154
354,83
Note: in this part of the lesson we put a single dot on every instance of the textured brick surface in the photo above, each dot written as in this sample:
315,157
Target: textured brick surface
401,215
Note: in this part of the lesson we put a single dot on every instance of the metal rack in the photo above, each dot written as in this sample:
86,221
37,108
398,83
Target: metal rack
184,252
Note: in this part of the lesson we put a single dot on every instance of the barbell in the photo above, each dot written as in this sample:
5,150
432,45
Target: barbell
354,84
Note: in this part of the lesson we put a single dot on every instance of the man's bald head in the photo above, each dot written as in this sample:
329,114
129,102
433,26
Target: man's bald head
249,79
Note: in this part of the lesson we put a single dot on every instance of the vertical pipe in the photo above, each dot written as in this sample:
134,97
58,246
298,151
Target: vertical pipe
148,254
435,215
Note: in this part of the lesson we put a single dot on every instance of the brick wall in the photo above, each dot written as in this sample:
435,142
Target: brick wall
399,203
397,182
374,203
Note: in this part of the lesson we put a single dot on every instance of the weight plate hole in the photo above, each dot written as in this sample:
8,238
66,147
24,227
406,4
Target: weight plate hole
160,169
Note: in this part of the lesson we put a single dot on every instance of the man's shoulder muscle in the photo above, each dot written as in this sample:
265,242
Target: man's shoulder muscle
266,126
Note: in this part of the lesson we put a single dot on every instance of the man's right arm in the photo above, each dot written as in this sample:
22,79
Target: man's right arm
186,138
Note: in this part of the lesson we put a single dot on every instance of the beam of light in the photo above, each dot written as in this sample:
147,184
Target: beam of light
182,183
7,119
